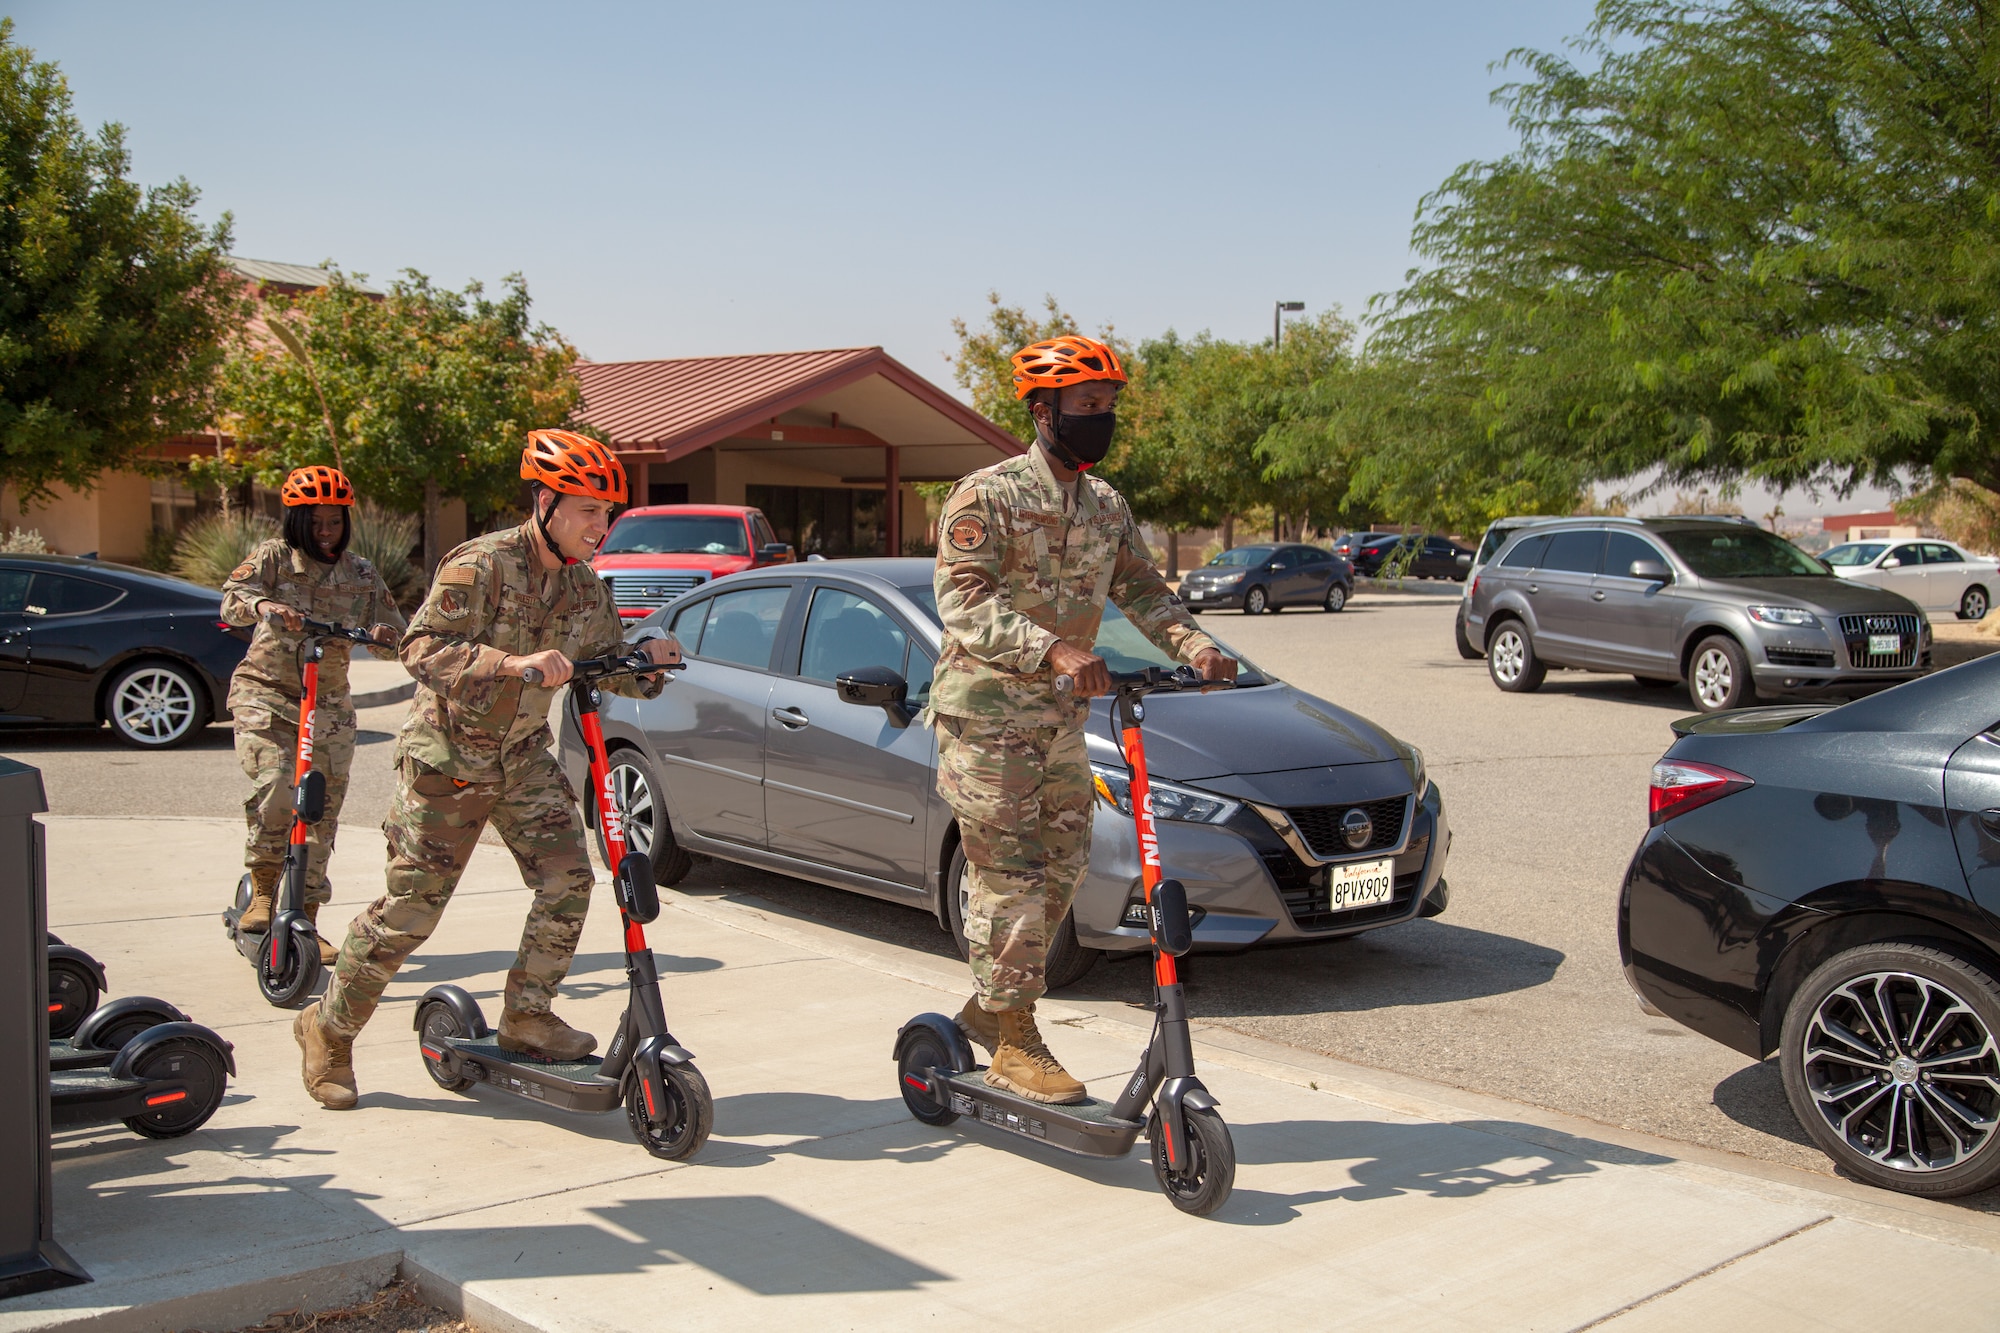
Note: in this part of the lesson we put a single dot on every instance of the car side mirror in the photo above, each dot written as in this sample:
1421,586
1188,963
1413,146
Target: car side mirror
877,687
1653,571
1892,562
775,553
1278,566
1465,560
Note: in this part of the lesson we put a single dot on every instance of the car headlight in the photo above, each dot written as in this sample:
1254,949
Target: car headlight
1114,788
1220,579
1782,615
1413,759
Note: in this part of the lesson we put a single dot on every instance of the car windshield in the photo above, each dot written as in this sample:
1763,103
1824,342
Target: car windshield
1119,641
1855,553
677,534
1738,551
1496,537
1241,556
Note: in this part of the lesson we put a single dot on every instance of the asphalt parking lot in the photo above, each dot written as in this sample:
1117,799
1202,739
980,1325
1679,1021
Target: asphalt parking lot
1515,992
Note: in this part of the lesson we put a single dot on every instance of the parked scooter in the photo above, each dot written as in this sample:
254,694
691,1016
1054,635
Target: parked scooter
667,1102
76,983
287,956
162,1083
1194,1159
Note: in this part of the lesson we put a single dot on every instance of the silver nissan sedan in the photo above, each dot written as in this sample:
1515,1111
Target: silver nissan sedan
1288,818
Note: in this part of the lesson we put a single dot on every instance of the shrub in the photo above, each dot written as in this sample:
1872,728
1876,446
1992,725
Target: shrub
212,547
385,539
24,541
159,553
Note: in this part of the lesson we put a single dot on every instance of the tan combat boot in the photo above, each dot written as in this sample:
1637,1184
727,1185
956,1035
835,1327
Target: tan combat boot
256,918
328,1066
544,1035
1023,1064
329,954
979,1026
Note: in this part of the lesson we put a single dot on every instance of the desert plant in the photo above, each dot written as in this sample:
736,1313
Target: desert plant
23,541
385,539
212,547
159,553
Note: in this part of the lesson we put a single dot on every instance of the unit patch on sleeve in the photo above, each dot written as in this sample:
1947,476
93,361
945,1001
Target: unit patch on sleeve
968,532
243,571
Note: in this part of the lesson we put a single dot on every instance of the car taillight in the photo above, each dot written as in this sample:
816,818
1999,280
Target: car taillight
1473,590
1680,785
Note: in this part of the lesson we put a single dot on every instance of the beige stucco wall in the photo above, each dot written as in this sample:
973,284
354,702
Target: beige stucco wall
111,520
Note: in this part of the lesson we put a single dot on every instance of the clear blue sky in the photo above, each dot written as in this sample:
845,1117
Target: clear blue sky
678,179
683,179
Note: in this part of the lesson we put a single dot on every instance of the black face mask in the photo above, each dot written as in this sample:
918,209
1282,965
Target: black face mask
1081,441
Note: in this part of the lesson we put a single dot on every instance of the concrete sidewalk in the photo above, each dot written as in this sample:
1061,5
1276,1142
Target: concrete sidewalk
1363,1200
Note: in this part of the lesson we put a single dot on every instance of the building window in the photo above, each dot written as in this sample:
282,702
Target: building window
822,520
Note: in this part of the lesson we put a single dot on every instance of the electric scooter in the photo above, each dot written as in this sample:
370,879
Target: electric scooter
76,982
164,1082
667,1102
1194,1159
287,956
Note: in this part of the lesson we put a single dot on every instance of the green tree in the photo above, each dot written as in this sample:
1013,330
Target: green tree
114,301
1750,239
422,394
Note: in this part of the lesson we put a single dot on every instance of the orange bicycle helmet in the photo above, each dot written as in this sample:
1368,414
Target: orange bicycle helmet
574,464
316,486
1070,359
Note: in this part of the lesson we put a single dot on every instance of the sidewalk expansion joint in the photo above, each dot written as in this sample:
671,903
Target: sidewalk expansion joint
1710,1271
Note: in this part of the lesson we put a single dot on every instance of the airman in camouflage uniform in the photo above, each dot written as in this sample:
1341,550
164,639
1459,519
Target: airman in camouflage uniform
1028,552
476,748
266,690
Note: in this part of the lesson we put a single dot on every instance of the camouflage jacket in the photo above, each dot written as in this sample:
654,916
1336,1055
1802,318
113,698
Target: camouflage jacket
1015,573
492,600
349,592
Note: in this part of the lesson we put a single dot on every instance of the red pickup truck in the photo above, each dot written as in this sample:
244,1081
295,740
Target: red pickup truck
654,553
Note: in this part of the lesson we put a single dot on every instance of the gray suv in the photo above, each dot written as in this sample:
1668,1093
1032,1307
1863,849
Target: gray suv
1736,612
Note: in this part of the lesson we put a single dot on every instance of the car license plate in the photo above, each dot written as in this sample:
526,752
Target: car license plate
1194,594
1360,884
1879,644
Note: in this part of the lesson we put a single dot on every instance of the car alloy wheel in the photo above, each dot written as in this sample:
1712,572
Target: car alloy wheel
1509,655
1973,606
1891,1061
154,706
634,798
1336,597
1255,602
648,827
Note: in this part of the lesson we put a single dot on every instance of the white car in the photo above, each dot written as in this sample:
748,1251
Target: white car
1936,575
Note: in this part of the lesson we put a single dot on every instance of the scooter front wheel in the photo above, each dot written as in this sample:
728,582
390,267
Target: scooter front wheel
290,986
438,1020
922,1052
688,1116
1201,1184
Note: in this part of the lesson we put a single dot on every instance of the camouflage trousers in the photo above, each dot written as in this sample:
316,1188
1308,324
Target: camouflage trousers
432,829
267,738
1022,796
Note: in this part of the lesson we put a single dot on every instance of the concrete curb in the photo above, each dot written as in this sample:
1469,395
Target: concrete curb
383,698
327,1287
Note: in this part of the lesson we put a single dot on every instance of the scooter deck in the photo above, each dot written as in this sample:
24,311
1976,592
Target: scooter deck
249,944
569,1085
65,1054
1088,1128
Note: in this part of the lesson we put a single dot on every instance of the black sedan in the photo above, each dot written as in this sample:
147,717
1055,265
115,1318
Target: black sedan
1423,557
86,641
1825,883
1257,579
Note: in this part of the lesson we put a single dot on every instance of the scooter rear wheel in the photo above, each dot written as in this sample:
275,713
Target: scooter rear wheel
72,995
1202,1184
192,1062
438,1020
923,1051
690,1113
294,984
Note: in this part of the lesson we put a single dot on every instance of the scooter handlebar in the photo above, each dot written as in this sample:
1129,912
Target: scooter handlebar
597,668
1152,680
320,629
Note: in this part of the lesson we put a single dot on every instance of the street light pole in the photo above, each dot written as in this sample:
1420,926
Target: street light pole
1278,313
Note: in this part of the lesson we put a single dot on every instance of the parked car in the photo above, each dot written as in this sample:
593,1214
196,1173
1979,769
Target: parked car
86,641
1257,579
1731,609
1287,817
1825,883
1428,557
1348,543
1936,575
1497,533
654,553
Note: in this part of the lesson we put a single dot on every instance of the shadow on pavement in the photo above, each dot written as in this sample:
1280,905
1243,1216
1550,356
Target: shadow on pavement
432,969
1420,962
44,740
